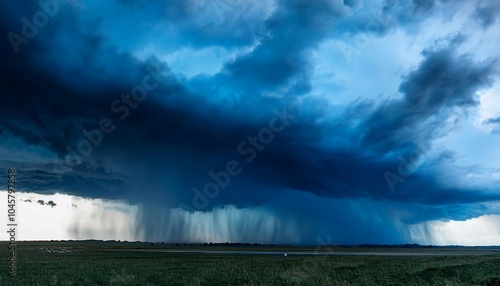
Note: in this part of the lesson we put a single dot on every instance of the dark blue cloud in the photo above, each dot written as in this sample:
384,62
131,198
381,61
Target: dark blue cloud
493,120
487,12
282,54
80,71
444,80
190,23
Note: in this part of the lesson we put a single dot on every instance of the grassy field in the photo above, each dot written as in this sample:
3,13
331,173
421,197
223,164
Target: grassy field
96,263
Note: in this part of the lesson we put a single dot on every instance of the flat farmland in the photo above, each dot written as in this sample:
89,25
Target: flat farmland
126,263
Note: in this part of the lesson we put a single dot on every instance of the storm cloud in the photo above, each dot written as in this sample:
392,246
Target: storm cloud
105,101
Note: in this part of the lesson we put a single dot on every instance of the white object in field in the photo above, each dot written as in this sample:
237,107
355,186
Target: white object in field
284,254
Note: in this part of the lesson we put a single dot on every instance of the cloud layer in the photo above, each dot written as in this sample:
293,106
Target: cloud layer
104,101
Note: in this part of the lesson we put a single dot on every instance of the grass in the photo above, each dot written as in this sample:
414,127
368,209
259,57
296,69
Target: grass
96,263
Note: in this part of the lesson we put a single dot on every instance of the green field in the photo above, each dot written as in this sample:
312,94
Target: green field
103,263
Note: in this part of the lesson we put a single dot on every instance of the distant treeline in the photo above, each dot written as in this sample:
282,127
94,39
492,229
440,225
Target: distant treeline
239,244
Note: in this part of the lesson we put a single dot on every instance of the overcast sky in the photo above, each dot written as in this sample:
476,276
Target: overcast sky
257,121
